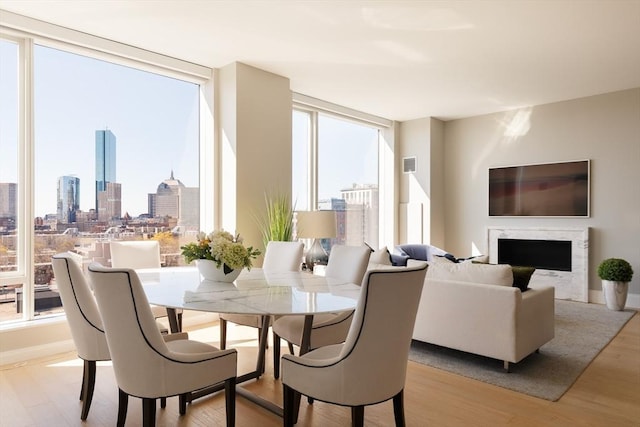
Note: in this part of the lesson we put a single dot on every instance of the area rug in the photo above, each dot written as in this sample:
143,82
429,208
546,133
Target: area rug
582,331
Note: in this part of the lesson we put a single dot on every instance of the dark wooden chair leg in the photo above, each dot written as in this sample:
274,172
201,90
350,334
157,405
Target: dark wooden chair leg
163,402
179,317
223,334
182,404
123,404
398,409
357,416
276,356
88,384
290,411
148,412
291,348
230,401
84,380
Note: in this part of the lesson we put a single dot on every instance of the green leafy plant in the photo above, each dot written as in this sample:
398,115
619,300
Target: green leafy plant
277,224
222,247
615,270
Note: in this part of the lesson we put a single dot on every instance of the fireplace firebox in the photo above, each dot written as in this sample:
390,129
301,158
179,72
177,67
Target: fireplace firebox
544,254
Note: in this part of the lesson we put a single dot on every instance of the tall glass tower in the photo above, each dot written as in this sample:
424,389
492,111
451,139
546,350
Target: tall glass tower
105,160
68,199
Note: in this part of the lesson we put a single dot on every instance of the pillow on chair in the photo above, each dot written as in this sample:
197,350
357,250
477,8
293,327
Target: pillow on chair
381,256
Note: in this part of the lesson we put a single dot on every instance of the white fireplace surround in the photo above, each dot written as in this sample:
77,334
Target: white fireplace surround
571,285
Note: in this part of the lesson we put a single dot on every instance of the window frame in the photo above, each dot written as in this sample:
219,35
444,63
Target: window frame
386,130
12,28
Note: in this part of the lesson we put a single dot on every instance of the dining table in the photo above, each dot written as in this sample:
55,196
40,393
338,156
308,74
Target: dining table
254,292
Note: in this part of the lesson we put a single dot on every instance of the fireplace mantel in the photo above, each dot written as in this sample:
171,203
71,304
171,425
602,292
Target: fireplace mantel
572,285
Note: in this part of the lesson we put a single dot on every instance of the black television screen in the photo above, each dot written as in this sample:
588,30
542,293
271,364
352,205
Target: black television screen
549,189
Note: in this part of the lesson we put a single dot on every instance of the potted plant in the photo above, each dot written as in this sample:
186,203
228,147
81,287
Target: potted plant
277,224
615,273
220,256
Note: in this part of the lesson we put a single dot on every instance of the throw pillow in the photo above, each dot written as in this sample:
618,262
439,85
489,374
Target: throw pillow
381,256
522,276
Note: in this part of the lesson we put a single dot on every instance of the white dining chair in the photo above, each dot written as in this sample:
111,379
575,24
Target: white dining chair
147,366
84,321
361,371
347,263
137,254
278,257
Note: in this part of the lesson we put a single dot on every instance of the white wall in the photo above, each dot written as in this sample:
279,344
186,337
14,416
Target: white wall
423,189
603,128
255,137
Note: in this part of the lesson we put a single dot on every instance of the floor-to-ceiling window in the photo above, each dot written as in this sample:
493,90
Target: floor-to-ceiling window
110,152
336,167
9,160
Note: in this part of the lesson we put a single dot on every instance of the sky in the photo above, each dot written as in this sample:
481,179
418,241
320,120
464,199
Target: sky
155,121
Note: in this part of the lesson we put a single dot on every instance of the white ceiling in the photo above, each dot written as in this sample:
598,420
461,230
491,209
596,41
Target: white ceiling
397,59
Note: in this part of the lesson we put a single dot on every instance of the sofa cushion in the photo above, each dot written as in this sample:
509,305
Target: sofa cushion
489,274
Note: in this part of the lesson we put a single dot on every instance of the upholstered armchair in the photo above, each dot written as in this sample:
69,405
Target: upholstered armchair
370,366
347,263
145,365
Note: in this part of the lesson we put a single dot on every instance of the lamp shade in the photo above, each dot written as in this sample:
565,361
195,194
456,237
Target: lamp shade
316,224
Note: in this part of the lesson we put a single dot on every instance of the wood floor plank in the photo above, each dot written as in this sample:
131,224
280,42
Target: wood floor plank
44,392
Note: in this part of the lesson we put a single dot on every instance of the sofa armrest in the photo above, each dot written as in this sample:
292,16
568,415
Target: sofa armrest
536,320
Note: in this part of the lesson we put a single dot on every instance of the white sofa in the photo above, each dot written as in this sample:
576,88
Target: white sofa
474,308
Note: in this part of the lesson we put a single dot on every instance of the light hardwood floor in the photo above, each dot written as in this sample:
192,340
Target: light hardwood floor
45,392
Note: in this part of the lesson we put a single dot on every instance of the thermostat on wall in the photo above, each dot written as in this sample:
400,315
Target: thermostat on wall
408,164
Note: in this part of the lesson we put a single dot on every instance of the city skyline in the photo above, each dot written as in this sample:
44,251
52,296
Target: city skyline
156,120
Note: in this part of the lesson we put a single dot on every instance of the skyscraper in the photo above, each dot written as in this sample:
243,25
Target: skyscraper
110,202
174,200
8,205
105,161
68,198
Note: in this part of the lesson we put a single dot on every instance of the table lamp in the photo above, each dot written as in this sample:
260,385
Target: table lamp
316,225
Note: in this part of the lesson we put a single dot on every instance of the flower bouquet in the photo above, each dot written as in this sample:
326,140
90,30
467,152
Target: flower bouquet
221,248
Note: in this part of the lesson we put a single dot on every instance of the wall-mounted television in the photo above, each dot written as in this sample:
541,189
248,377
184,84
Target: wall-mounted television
547,189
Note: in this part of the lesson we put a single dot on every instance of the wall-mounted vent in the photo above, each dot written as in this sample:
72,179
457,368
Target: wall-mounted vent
408,164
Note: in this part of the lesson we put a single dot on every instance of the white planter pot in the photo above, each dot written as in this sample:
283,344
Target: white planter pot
615,294
209,271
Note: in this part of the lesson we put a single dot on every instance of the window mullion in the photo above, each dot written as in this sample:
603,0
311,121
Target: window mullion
26,175
313,161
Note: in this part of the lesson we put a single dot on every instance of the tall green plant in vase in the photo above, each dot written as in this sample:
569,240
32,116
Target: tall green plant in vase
277,223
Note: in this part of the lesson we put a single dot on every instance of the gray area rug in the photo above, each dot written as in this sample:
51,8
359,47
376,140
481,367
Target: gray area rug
582,331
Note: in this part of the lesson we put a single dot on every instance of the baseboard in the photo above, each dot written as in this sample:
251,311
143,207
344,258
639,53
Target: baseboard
22,355
633,300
